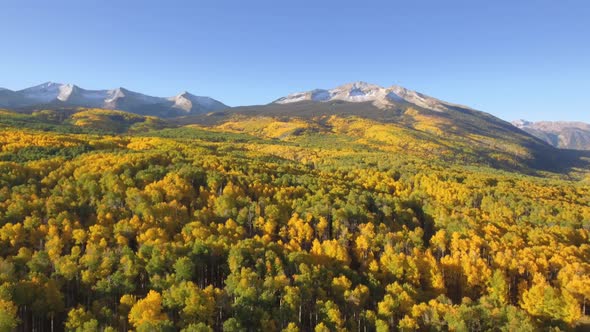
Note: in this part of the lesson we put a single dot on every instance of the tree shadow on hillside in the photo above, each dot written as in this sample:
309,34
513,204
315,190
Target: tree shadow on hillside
561,161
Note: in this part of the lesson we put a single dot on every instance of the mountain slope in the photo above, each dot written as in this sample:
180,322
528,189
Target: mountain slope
55,95
566,135
9,97
394,119
358,92
190,103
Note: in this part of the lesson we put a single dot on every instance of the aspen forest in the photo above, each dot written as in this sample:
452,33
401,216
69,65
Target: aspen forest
111,221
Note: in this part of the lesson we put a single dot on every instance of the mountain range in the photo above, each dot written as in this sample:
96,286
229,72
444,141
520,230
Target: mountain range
565,135
561,134
56,95
365,92
389,104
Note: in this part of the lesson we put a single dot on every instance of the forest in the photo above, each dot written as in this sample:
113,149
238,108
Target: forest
280,225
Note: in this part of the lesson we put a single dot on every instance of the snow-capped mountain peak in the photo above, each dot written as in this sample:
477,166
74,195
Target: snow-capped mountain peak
185,94
521,123
42,93
115,94
182,101
65,91
356,92
351,92
359,86
49,91
46,85
51,94
420,99
188,102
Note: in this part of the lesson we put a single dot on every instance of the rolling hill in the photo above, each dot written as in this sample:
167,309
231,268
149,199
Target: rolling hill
81,120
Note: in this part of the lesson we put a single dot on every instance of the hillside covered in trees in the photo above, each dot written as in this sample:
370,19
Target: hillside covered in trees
250,221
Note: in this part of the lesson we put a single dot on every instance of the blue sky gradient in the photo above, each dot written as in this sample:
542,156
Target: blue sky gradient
514,59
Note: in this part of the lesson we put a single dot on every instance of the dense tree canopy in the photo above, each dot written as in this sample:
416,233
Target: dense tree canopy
199,230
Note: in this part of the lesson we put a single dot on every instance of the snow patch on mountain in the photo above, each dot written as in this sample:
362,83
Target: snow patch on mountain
65,91
114,94
94,95
358,92
189,102
521,123
42,93
56,94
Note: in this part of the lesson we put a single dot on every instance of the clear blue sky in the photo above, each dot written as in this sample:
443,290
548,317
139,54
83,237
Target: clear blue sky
514,59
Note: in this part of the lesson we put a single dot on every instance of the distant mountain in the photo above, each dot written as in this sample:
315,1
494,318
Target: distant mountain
561,134
394,118
8,97
358,92
57,95
196,104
